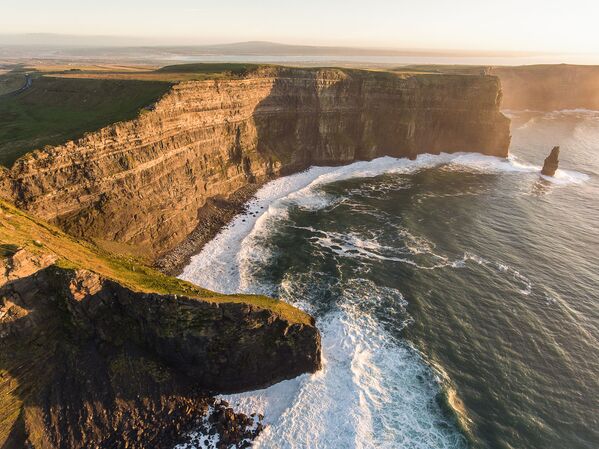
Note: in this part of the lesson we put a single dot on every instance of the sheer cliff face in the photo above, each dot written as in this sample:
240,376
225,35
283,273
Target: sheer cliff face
143,183
86,362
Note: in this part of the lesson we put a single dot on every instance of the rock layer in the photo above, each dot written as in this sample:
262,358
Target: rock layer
141,186
86,362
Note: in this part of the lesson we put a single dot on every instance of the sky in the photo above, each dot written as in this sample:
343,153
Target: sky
565,26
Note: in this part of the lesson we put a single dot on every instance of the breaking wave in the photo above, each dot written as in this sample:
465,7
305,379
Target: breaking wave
217,266
374,391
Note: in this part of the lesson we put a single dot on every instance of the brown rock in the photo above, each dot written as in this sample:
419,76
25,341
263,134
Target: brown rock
100,365
206,140
21,263
551,162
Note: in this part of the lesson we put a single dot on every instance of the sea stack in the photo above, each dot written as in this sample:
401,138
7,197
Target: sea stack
551,162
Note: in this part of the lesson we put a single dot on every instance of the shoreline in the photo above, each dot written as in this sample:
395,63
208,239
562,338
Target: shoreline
215,215
334,173
368,169
218,213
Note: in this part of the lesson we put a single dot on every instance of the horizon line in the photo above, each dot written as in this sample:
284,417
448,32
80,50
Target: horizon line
138,41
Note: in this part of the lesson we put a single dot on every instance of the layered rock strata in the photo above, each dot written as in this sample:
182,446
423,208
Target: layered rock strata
142,187
86,362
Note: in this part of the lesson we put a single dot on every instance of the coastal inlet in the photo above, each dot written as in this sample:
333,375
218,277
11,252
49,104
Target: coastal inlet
456,308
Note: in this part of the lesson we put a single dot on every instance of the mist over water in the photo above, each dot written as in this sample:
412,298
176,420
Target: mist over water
327,60
456,295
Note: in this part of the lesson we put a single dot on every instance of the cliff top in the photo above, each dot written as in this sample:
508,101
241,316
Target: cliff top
52,111
21,230
53,104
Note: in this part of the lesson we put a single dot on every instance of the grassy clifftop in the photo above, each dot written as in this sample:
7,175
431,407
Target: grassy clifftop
97,350
55,110
64,102
21,230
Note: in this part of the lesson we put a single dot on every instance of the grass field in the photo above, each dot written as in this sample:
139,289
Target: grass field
66,101
55,110
21,230
171,73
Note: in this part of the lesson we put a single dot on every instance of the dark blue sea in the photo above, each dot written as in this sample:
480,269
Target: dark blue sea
457,295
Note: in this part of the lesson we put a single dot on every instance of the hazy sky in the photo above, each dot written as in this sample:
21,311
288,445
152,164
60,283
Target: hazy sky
536,25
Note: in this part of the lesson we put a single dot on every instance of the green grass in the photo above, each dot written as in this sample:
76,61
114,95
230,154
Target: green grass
55,110
19,229
63,104
11,81
211,68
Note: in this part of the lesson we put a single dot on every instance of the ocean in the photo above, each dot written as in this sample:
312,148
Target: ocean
457,295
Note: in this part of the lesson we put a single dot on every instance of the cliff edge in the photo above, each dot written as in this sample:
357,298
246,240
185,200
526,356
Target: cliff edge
100,351
207,145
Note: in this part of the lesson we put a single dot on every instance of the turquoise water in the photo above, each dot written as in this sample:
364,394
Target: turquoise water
456,295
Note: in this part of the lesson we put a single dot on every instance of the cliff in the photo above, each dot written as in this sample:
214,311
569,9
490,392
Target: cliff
549,87
142,187
100,351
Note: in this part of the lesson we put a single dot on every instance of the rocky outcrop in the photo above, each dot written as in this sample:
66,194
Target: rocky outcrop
86,362
142,187
551,163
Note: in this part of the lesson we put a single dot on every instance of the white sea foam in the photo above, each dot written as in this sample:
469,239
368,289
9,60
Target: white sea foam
204,439
201,441
523,283
565,177
511,113
354,246
217,266
513,164
371,393
373,390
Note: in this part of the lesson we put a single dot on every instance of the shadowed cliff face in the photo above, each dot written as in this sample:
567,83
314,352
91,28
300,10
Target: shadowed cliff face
143,186
341,117
86,362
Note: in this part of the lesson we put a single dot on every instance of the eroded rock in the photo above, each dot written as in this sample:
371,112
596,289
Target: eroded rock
551,162
205,140
86,362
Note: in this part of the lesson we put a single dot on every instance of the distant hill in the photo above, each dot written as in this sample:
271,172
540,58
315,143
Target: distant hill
277,49
68,43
